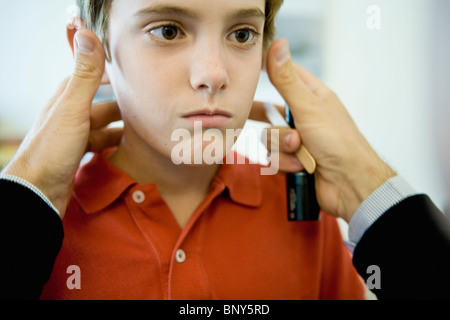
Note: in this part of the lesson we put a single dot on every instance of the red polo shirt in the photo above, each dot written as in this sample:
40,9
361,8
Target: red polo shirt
238,244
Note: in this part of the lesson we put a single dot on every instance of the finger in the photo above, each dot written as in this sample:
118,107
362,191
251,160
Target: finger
102,139
59,91
289,140
44,113
288,82
267,135
312,83
289,163
318,87
102,114
258,112
88,71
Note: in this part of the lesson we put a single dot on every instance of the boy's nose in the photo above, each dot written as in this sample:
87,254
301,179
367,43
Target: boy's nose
209,71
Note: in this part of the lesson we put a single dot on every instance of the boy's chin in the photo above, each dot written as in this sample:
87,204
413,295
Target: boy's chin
201,155
204,161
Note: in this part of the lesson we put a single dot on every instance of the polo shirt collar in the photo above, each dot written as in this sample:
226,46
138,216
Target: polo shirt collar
99,183
243,182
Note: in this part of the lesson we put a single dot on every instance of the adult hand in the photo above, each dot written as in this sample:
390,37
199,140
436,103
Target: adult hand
348,169
50,154
288,143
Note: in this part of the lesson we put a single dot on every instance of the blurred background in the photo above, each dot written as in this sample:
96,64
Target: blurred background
374,54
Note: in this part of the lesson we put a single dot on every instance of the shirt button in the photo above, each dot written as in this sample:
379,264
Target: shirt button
180,256
138,197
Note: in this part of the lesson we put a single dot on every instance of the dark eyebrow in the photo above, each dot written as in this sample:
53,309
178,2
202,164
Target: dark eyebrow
247,13
162,9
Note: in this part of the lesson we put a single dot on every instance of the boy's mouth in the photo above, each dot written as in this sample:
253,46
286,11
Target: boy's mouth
209,118
207,112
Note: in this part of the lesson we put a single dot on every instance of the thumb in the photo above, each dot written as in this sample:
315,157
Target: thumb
287,81
88,70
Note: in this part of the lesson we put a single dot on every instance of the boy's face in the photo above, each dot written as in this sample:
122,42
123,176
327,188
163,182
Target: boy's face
174,62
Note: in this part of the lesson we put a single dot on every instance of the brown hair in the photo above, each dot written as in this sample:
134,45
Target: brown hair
95,14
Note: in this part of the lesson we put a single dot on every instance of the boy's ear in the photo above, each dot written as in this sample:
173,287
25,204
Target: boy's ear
71,30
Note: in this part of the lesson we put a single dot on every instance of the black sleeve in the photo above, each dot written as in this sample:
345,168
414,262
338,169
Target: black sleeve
410,244
31,236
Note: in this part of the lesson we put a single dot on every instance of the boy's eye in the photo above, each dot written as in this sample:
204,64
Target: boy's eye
165,32
243,36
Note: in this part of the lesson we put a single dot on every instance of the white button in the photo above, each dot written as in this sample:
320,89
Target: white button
180,256
138,196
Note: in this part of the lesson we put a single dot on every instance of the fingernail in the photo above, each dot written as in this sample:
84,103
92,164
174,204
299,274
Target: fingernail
84,43
283,53
287,140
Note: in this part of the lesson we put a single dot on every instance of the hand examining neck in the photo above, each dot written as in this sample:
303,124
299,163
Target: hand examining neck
348,169
50,154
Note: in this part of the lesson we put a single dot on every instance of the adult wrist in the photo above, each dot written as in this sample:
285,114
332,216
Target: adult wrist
389,194
362,183
47,187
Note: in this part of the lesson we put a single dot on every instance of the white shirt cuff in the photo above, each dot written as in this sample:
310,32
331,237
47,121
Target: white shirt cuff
30,186
382,199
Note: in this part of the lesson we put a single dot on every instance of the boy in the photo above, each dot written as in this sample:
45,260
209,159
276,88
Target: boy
141,227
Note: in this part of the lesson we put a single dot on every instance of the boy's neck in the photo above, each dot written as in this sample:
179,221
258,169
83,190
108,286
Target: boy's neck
146,165
181,186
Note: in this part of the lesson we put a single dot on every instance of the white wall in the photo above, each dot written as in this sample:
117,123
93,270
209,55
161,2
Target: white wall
440,80
383,78
34,59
